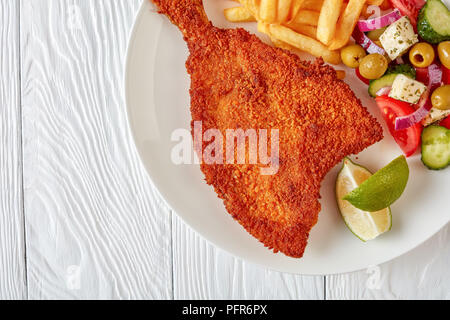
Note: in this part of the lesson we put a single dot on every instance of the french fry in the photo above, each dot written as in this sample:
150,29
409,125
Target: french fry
238,14
252,6
268,11
370,9
365,14
374,2
340,74
296,5
263,27
304,29
304,25
346,24
308,17
304,43
284,8
314,5
329,15
283,45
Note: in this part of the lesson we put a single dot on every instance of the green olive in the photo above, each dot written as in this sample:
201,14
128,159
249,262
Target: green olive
421,55
444,53
441,98
373,66
352,55
375,35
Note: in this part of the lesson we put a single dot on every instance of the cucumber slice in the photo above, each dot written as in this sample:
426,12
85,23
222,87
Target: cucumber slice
406,69
436,147
384,81
389,77
434,22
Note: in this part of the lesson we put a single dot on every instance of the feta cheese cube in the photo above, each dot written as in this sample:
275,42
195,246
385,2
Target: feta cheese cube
407,89
398,38
435,115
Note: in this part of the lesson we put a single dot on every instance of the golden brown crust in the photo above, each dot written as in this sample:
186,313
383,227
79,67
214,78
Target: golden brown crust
239,82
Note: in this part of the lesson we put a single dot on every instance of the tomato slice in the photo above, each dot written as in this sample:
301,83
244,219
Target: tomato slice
422,75
410,8
445,75
408,139
385,5
446,122
365,80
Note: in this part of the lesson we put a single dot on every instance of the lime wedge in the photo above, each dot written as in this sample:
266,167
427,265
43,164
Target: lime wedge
383,188
364,224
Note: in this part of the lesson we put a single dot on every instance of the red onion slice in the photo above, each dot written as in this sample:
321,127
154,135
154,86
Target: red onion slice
424,107
380,22
366,43
384,91
434,75
399,60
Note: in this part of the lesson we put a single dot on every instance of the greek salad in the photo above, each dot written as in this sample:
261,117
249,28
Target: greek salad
403,56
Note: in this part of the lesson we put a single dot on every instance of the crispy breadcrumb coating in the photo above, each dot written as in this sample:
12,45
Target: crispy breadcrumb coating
237,81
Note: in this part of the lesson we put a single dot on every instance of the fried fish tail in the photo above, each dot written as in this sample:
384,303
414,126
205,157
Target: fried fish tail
188,15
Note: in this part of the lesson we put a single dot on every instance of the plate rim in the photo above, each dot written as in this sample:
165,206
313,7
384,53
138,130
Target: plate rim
146,5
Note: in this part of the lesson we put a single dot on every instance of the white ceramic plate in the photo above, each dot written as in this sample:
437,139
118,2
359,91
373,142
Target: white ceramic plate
157,94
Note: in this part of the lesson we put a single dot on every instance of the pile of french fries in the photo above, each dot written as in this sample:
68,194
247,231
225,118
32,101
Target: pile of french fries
319,27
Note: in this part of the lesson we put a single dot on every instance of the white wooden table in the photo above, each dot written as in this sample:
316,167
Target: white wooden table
79,219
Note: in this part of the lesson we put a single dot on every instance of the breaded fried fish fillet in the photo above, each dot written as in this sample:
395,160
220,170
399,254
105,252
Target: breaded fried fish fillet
237,81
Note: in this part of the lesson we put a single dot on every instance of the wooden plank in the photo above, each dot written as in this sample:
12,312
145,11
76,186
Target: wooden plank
12,251
419,274
202,271
96,227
